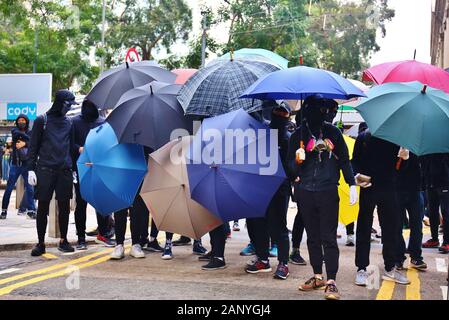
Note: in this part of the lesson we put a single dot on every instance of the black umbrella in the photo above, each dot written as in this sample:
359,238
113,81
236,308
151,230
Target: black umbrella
148,115
113,83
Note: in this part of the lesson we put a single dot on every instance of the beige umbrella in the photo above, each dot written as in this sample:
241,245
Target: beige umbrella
167,195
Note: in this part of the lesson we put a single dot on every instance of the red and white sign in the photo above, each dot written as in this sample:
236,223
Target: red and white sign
132,55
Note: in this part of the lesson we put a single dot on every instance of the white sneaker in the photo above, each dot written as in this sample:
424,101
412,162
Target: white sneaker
361,278
137,252
350,240
396,276
118,253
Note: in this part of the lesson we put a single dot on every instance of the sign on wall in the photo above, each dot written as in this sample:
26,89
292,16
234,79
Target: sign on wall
13,110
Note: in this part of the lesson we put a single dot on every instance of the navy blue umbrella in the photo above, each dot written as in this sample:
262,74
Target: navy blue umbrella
234,180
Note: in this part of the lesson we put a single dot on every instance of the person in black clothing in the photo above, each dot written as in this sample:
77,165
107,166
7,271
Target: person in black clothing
374,161
52,142
275,221
410,200
436,178
20,146
82,124
317,169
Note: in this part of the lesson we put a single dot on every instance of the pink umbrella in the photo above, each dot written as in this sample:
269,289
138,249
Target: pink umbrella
183,75
407,71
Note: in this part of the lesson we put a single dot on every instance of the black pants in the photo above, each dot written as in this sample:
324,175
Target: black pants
389,217
274,224
138,215
298,230
320,213
218,241
439,198
63,218
350,229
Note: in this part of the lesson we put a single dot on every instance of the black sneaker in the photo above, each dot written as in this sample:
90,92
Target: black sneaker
38,250
205,257
152,246
82,245
258,266
183,241
65,247
31,215
281,272
92,233
296,258
199,249
214,264
418,264
3,214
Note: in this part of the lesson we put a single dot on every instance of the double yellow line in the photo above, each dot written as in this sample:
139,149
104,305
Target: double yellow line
48,272
412,291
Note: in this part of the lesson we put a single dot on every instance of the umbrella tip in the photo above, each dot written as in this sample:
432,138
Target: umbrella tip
151,90
414,55
424,88
127,64
231,54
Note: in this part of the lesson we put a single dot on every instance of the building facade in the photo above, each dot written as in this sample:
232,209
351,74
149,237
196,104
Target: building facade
439,47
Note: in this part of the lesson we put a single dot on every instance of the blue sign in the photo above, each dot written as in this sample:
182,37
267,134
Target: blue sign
15,109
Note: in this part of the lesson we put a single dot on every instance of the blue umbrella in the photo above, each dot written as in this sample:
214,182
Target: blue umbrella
223,176
110,173
300,82
256,54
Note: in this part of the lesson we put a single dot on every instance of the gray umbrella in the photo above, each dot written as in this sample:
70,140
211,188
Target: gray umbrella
148,115
215,89
112,83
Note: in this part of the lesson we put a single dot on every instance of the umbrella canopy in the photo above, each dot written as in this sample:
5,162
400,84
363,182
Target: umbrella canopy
182,75
112,83
411,115
166,193
258,54
215,89
300,82
148,115
231,179
406,71
110,173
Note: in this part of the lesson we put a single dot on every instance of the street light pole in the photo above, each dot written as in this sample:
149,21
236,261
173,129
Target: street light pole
103,22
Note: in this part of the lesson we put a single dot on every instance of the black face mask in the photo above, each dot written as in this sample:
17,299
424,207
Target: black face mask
90,113
315,118
66,106
330,116
21,126
278,122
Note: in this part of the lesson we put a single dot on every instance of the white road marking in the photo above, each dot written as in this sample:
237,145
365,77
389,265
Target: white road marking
441,264
444,291
9,270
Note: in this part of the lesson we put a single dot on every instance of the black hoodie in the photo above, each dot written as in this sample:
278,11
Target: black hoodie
20,135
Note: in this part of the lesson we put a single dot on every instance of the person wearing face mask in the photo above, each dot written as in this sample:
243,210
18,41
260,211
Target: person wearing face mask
20,143
317,152
50,165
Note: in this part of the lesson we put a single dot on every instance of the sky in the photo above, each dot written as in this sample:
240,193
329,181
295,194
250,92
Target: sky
409,30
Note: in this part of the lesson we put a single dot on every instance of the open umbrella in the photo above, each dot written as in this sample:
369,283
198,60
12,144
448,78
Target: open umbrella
231,176
148,115
166,193
112,83
110,173
215,89
406,71
182,75
410,114
258,54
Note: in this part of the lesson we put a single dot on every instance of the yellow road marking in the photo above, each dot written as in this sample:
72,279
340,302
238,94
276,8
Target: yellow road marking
413,290
49,256
386,290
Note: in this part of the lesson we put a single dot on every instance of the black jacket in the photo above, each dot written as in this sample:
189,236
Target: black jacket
435,169
376,158
19,135
53,146
409,175
316,175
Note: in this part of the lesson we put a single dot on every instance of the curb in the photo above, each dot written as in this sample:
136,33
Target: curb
29,246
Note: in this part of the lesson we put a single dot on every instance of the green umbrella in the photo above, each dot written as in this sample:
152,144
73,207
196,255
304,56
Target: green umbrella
409,114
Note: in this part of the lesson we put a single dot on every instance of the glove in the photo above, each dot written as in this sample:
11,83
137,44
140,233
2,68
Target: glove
404,154
32,179
353,195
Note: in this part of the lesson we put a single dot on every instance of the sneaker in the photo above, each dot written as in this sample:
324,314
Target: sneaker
400,266
296,258
236,227
274,251
249,250
38,250
350,241
431,244
92,233
205,257
118,253
418,264
444,248
199,249
396,276
361,277
313,284
81,245
31,215
183,241
3,214
167,255
440,230
107,242
214,264
258,266
21,212
281,272
136,251
152,246
426,222
65,247
331,292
